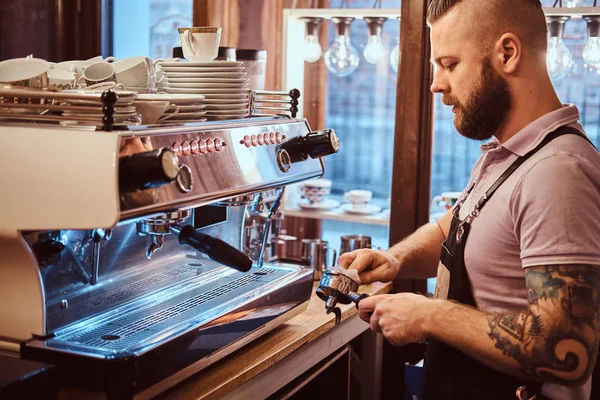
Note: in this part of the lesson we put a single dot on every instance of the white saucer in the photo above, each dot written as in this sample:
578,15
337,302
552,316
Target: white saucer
235,91
216,86
207,75
208,80
324,206
172,98
209,64
366,210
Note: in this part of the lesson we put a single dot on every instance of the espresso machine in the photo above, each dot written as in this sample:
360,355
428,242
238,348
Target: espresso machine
122,256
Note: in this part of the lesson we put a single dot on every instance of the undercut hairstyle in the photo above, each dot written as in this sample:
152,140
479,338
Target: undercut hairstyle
490,19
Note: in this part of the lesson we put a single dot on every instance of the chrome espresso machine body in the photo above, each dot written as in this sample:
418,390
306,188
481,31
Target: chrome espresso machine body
121,251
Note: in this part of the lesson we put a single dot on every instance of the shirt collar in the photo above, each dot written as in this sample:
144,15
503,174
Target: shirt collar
533,134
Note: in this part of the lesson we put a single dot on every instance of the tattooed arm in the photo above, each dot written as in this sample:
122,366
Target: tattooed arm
555,340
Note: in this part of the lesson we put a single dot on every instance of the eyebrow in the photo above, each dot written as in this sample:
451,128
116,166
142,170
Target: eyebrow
438,61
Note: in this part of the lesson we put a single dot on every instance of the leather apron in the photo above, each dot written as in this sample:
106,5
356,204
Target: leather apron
450,374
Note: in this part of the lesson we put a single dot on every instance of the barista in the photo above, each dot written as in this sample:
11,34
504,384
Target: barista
521,248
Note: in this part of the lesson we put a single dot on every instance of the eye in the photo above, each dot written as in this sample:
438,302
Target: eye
451,66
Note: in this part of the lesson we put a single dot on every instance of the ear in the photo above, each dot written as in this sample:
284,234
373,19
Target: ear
508,50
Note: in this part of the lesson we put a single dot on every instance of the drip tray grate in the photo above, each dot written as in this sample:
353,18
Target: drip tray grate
139,326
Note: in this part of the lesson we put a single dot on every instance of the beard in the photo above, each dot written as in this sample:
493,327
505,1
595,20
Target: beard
481,116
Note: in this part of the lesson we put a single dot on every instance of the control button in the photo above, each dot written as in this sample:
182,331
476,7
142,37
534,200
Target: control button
278,137
261,139
210,145
273,138
176,148
254,140
284,161
247,141
185,179
268,138
218,144
202,147
185,148
194,149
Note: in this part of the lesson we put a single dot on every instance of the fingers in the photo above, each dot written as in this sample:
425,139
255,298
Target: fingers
368,304
362,260
346,259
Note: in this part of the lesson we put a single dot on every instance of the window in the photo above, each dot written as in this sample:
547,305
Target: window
361,108
148,27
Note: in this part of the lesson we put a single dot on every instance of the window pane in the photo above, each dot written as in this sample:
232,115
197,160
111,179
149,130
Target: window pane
149,27
361,108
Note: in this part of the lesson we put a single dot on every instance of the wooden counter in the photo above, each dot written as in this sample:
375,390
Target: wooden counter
275,359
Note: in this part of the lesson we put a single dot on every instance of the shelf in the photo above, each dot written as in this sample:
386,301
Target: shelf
390,13
382,218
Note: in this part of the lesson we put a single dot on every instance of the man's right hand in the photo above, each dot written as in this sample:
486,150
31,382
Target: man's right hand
372,265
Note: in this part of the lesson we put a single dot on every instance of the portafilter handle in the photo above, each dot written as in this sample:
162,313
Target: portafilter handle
216,249
357,297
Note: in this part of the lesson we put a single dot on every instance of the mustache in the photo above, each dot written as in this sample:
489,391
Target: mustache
450,101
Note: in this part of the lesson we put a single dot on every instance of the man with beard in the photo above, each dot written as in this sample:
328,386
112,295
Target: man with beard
521,248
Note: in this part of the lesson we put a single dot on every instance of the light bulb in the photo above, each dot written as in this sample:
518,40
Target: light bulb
559,58
312,48
395,57
341,58
591,53
374,50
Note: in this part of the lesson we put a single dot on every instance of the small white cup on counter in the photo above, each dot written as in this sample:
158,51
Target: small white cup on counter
316,190
200,43
358,198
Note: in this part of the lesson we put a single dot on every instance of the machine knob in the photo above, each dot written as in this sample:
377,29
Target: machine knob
314,145
148,170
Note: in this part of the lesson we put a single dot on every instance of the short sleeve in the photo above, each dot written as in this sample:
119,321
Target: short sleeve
556,212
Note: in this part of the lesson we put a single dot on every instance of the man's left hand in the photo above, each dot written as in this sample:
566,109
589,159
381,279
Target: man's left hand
400,318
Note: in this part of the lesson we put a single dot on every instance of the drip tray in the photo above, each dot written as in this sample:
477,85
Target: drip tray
166,315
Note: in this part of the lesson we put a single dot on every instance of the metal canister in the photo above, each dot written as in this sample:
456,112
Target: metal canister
354,242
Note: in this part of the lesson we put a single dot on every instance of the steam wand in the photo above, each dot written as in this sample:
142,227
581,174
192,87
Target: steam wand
272,210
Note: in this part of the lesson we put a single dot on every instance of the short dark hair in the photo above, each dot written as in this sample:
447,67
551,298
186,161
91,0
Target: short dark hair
438,8
525,18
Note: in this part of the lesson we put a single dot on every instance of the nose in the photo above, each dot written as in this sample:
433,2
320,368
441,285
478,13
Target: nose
440,83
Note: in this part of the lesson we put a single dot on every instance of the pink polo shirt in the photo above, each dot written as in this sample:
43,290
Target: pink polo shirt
546,213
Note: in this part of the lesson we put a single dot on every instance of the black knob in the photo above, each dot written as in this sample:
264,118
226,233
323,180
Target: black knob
314,145
214,248
147,170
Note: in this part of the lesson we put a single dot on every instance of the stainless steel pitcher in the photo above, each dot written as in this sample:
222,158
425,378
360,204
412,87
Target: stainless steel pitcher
315,254
354,242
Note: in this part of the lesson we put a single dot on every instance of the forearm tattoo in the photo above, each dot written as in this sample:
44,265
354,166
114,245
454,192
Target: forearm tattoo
557,338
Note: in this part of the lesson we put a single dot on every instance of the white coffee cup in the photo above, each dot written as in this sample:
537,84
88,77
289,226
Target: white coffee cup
200,43
27,72
358,198
445,201
59,79
97,73
135,71
315,190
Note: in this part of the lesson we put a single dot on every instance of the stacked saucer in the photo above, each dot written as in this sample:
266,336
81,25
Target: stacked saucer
178,107
223,84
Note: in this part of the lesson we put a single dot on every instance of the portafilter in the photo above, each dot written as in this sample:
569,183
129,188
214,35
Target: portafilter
336,287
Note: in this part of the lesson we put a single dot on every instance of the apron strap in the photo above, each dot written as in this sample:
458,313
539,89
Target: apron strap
563,130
